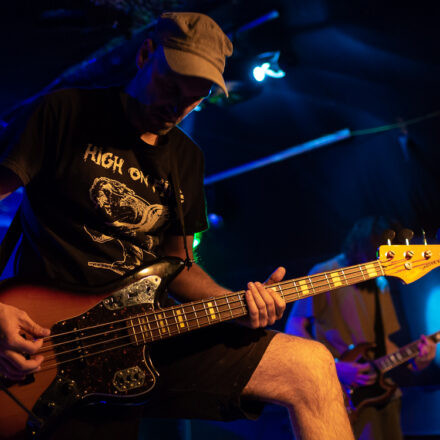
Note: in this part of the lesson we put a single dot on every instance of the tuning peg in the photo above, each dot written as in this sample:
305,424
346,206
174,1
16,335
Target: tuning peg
424,237
405,235
389,235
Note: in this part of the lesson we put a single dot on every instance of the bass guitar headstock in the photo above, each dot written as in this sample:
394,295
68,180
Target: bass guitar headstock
409,262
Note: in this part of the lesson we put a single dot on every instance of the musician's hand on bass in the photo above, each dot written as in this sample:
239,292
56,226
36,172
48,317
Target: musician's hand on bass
265,306
20,339
355,374
427,349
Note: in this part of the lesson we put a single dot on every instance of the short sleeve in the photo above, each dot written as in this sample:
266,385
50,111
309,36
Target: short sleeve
27,140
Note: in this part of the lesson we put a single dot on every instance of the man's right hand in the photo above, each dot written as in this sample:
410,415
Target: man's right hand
20,339
353,373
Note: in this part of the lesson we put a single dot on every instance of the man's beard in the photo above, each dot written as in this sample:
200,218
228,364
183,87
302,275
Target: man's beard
159,129
147,119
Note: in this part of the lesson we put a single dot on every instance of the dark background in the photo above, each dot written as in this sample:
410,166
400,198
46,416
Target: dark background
355,65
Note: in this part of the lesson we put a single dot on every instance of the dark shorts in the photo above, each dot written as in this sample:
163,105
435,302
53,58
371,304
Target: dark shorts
202,376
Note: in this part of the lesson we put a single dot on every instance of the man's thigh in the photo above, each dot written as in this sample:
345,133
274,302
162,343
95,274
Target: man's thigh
202,374
290,366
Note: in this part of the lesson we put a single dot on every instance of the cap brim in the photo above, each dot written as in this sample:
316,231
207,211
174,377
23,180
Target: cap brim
187,63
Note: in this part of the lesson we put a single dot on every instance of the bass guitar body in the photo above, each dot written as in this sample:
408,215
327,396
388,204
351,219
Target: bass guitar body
377,394
96,351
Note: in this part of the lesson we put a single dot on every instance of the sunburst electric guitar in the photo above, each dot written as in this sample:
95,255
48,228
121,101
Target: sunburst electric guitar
99,343
379,393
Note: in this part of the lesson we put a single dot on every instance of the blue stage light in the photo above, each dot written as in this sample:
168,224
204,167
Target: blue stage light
268,67
259,72
215,221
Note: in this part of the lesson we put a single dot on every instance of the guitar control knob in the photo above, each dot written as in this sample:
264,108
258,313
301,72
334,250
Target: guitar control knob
409,254
390,254
427,255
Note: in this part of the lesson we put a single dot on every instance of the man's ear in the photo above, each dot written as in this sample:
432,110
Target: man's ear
145,52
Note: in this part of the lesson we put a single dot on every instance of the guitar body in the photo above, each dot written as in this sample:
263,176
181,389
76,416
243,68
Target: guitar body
377,394
94,353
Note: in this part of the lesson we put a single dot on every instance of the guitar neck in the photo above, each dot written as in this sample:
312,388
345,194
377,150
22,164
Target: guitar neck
190,316
404,354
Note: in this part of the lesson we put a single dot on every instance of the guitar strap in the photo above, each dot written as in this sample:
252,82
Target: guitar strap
10,240
176,190
378,325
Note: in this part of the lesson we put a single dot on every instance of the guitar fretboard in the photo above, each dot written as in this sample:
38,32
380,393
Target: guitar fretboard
404,354
183,318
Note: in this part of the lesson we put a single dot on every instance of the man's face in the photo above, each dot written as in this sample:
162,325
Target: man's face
164,97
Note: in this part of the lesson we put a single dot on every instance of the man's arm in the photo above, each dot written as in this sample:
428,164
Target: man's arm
264,305
13,322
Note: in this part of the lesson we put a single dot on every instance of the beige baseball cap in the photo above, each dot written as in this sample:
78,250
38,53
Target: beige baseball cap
194,44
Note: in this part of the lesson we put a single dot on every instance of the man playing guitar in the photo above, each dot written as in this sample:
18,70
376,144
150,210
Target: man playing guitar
106,172
349,317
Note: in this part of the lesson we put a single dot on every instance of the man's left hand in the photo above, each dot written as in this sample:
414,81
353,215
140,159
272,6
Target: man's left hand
265,306
427,349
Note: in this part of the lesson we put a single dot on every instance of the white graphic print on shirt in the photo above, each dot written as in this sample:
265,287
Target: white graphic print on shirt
129,214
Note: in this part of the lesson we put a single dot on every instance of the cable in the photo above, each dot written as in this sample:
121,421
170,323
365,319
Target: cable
394,126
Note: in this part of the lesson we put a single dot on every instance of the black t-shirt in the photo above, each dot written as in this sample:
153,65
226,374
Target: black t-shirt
97,199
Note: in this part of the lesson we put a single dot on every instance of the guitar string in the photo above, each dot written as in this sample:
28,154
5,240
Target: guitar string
203,309
382,363
413,347
346,271
169,334
151,331
157,311
228,294
166,330
165,318
164,335
106,350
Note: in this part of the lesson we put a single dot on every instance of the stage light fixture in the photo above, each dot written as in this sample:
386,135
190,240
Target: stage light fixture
268,66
